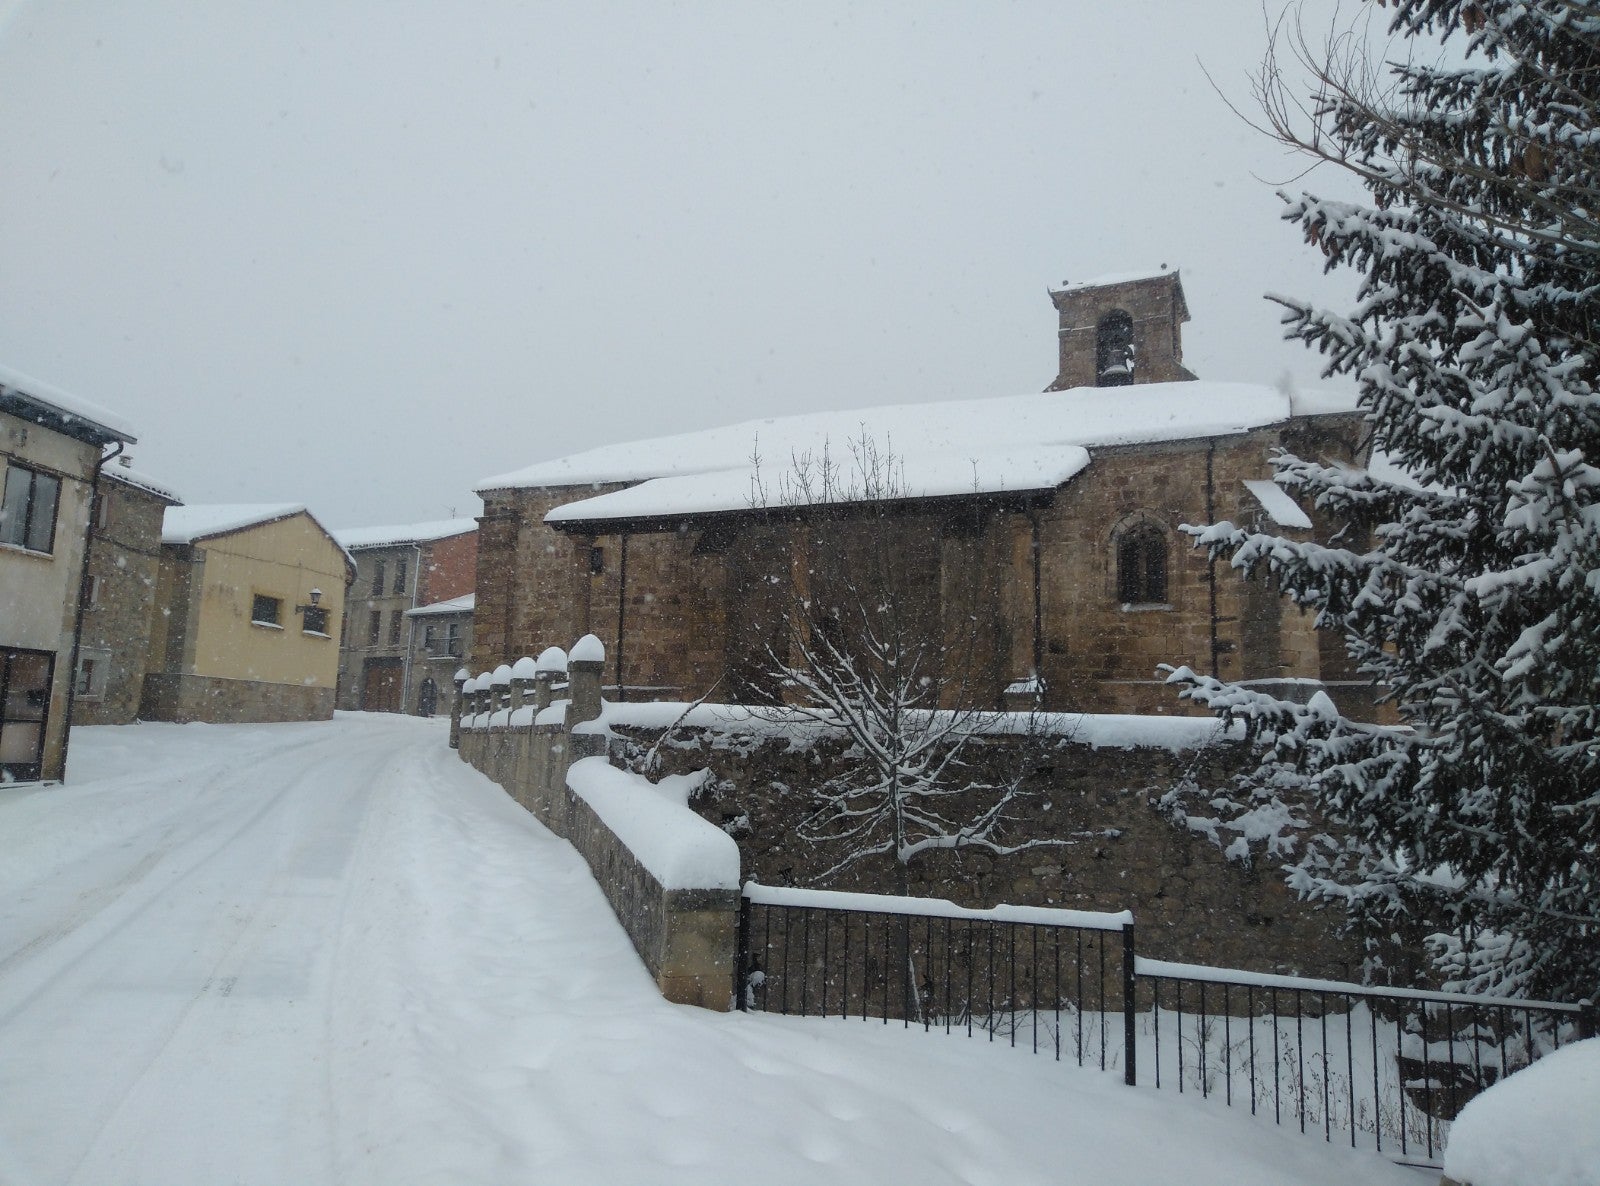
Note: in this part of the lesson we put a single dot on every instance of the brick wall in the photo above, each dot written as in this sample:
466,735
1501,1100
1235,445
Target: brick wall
449,568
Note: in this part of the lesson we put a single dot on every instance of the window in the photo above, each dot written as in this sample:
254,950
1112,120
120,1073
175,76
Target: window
377,576
102,509
452,639
97,588
400,575
1142,565
316,620
266,611
93,667
1113,350
374,627
28,510
395,622
429,638
25,678
597,561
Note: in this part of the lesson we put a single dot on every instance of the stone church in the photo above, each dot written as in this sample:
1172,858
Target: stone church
1056,515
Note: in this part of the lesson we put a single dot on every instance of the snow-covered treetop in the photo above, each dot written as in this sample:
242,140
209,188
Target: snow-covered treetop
501,676
412,533
524,668
588,649
186,524
551,659
1028,442
456,605
17,388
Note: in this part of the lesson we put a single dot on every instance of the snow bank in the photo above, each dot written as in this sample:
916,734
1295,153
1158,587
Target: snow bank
1539,1127
681,850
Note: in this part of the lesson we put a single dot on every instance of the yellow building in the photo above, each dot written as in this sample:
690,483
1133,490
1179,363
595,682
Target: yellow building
251,599
50,458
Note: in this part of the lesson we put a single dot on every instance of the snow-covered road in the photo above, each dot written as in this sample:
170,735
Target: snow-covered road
331,953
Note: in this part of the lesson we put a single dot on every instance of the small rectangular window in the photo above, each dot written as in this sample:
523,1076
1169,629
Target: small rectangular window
28,509
597,561
97,587
400,575
374,627
93,667
452,639
377,576
266,611
316,620
429,637
395,622
102,509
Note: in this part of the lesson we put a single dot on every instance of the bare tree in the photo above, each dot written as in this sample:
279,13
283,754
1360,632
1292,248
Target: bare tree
888,633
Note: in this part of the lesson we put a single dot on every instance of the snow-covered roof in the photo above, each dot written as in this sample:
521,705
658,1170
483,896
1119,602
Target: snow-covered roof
190,524
69,410
139,480
1117,278
1010,444
410,533
456,605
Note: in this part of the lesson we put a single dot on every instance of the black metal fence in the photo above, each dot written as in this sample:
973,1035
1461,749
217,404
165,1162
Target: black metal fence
1052,980
1388,1068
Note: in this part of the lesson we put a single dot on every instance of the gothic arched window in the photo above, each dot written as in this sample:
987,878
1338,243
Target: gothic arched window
1142,565
1113,351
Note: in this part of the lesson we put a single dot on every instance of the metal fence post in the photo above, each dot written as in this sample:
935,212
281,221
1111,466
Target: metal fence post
1130,1069
1588,1019
741,957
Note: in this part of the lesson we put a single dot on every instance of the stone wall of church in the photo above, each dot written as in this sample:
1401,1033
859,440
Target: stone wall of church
684,611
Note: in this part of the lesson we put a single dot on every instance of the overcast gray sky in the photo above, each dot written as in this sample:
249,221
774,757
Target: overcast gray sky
363,255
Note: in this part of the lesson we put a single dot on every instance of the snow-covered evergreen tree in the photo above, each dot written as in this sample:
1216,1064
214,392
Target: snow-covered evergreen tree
1467,584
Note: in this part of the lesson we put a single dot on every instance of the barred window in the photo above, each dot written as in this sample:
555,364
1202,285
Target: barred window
1142,565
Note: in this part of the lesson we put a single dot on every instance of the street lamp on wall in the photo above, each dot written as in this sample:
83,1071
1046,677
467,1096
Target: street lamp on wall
316,596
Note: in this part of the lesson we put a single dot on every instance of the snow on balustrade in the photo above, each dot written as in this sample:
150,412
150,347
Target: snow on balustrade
680,850
1042,916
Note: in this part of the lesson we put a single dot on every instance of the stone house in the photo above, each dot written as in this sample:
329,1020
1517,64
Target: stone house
1059,514
441,639
50,459
384,665
119,596
251,602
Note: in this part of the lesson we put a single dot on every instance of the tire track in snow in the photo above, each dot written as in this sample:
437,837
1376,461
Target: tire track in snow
274,814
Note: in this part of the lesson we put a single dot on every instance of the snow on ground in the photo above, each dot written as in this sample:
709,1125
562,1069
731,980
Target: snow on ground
332,953
1538,1127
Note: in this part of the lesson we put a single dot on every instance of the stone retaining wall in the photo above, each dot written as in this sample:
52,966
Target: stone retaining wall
519,735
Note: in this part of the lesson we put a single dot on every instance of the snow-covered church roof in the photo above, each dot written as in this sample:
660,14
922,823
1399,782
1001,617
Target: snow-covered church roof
985,446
